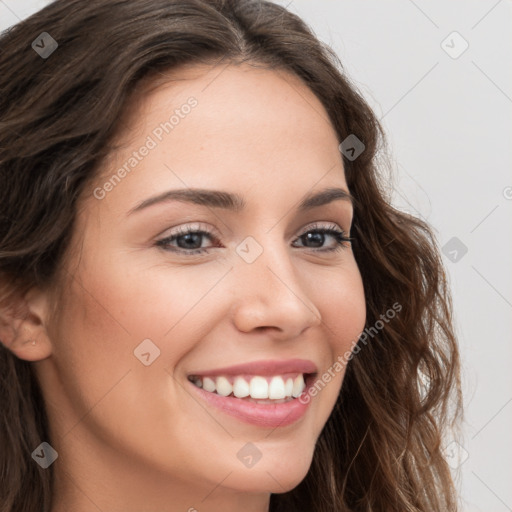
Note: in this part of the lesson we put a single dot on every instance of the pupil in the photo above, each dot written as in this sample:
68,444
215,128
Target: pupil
315,237
191,239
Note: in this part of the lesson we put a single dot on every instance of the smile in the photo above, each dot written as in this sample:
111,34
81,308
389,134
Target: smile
265,394
275,389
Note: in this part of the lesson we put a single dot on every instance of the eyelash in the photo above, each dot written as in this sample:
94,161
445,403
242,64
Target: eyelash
339,236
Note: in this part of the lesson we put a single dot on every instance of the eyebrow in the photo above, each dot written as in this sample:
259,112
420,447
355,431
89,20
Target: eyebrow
234,202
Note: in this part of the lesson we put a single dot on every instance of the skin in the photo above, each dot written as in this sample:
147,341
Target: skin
131,437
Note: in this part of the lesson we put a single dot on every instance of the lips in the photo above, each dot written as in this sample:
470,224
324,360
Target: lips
264,368
264,393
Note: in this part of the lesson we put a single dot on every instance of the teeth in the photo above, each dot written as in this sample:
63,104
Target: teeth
272,390
241,388
276,388
288,389
258,387
298,386
208,384
223,386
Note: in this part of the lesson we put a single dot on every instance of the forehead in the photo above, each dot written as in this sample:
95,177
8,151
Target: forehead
230,126
237,88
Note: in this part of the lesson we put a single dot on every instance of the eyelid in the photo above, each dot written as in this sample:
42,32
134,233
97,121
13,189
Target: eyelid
322,225
186,228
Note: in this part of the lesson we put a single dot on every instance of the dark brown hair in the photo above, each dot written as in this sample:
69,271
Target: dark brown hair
381,449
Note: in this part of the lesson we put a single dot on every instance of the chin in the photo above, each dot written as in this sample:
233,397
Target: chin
269,478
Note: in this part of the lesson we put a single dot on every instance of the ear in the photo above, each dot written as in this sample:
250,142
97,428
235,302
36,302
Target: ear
23,326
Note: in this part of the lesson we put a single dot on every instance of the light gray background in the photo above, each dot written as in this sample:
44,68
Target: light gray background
449,125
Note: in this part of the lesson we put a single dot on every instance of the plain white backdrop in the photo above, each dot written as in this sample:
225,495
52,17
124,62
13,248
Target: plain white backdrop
439,76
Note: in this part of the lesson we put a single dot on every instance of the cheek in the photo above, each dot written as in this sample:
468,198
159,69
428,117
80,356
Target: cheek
115,315
107,313
341,301
339,296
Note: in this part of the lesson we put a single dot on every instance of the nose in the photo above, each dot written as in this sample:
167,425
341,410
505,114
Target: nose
270,296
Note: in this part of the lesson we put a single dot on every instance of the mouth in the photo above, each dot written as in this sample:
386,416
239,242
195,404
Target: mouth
265,394
255,388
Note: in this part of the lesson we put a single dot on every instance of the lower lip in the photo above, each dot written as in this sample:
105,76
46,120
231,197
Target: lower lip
261,415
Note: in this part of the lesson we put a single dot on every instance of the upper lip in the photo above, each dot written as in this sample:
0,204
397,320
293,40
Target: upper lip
267,367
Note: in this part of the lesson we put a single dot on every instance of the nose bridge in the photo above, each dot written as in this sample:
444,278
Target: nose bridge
270,290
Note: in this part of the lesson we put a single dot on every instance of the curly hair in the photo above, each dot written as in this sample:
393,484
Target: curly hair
382,447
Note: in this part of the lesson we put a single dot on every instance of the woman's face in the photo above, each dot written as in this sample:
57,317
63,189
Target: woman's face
195,284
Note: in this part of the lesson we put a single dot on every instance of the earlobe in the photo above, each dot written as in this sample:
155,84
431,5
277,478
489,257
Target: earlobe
23,326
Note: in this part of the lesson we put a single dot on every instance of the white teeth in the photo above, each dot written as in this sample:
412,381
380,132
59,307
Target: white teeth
258,387
276,388
273,390
223,386
298,385
240,387
288,389
208,384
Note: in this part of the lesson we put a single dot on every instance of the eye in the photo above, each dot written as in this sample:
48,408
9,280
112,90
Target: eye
189,240
316,236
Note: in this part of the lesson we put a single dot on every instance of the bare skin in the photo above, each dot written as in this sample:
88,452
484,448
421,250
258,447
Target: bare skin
132,437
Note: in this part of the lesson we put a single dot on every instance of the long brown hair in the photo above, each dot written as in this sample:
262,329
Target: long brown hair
381,449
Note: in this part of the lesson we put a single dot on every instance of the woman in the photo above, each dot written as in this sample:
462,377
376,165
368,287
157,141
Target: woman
207,301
